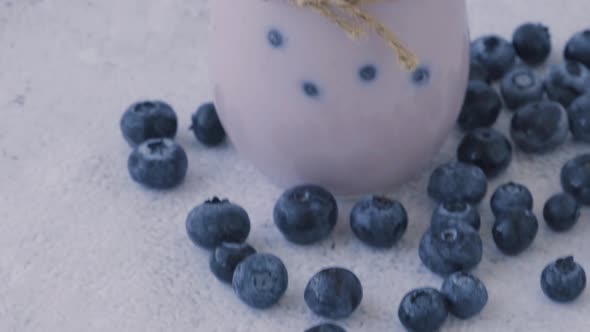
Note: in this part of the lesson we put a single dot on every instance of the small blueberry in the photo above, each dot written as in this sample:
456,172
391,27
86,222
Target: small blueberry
333,293
539,127
457,182
466,295
579,118
514,231
260,280
368,73
158,163
563,280
146,120
423,310
578,47
511,196
532,42
226,257
206,125
310,89
421,75
275,38
481,106
486,148
575,178
561,212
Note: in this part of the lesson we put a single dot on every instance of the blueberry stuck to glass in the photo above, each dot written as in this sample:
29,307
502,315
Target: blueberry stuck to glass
510,196
521,86
579,118
457,182
226,257
561,212
146,120
260,280
455,211
481,106
495,53
449,247
567,81
423,310
378,221
515,231
563,280
578,48
466,295
206,125
216,221
306,214
333,293
532,42
158,163
486,148
575,178
539,127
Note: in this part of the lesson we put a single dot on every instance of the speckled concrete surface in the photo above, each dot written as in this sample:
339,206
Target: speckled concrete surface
82,248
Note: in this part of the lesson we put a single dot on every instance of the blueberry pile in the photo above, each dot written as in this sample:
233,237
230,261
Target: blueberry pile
546,110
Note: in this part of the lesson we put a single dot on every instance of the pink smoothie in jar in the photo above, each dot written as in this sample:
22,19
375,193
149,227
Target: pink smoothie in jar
307,104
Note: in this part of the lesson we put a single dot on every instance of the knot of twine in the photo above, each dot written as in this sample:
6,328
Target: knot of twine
351,17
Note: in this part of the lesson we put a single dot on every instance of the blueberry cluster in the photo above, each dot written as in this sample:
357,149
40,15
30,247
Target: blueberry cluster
451,246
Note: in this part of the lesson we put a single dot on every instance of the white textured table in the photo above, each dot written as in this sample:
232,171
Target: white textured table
82,248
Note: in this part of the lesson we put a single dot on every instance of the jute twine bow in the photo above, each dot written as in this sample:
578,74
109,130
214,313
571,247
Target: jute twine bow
351,17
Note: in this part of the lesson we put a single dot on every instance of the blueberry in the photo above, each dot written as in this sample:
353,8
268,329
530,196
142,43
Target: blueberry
477,72
455,211
511,196
275,38
466,295
333,293
514,231
378,221
521,86
561,212
449,247
226,257
579,118
486,148
563,280
457,182
368,73
566,81
532,42
481,106
539,127
578,48
206,125
146,120
260,280
310,89
326,327
495,53
575,178
423,310
158,163
306,214
421,75
217,221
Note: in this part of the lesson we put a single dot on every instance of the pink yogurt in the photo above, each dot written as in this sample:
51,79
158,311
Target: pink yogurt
307,104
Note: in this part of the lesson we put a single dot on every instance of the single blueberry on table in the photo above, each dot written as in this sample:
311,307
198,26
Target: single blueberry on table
333,293
486,148
511,196
563,280
567,81
158,163
306,214
275,38
423,310
311,90
146,120
450,247
226,257
575,178
466,295
216,221
579,118
421,76
561,212
477,72
495,53
206,125
455,211
521,86
532,42
514,231
368,73
539,127
578,48
326,327
260,280
457,182
378,221
481,106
